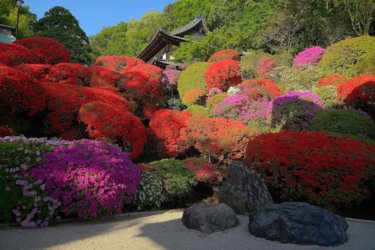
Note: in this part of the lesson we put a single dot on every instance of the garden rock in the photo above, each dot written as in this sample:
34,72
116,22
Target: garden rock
298,222
209,218
244,190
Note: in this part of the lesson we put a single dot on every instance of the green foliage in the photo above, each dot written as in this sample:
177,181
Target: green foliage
199,110
193,78
59,24
261,126
346,121
350,57
328,94
249,63
151,193
214,100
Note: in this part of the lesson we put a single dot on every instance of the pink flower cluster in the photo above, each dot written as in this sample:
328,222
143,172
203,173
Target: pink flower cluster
309,56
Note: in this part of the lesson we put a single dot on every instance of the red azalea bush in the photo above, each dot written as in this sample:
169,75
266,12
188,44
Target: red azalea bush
265,67
13,55
18,92
143,83
35,71
225,54
223,74
167,127
203,171
118,63
332,80
194,96
313,166
105,77
217,137
149,111
95,179
261,87
69,73
108,123
50,51
5,131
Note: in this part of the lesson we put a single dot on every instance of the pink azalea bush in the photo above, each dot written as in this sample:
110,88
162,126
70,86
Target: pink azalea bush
90,178
308,56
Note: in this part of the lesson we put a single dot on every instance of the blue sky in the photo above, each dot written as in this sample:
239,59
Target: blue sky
94,15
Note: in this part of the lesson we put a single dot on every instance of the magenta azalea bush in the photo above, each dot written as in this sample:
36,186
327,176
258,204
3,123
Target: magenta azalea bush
308,56
170,76
90,178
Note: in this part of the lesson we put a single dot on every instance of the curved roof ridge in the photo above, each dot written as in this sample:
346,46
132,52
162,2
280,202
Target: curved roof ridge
197,20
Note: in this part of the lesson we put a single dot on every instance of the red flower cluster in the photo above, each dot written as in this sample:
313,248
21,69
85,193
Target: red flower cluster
105,77
50,51
225,54
167,127
223,74
261,87
13,55
217,137
265,67
108,123
18,92
312,166
5,131
35,71
69,73
203,171
332,80
118,63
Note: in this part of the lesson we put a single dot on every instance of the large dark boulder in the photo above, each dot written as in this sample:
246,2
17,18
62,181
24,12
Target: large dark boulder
298,222
209,218
244,190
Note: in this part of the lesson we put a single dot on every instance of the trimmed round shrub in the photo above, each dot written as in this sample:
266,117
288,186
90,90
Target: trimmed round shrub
203,171
199,110
194,96
69,73
19,93
223,74
344,121
105,77
13,55
295,110
225,54
170,77
310,55
107,123
330,171
118,63
93,180
214,100
261,87
265,67
193,78
35,71
331,80
350,57
328,95
23,199
51,51
166,127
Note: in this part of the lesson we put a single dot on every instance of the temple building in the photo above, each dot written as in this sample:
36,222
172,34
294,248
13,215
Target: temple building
158,50
6,34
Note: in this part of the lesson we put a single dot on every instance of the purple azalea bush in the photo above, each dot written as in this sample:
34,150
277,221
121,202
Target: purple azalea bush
171,76
295,110
309,56
90,178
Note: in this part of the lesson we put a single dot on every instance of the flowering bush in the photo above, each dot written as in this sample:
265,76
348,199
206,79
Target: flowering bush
226,54
295,110
331,80
171,76
19,93
108,123
217,137
69,73
50,51
166,127
6,131
104,77
192,78
308,56
261,87
118,63
203,171
344,121
35,71
22,198
223,74
265,67
214,100
194,96
13,55
93,180
325,170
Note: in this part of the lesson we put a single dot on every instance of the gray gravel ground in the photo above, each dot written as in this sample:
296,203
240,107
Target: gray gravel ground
160,230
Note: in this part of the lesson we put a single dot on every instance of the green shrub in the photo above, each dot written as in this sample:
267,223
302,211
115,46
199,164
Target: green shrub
350,57
199,110
151,193
344,121
193,78
214,100
328,94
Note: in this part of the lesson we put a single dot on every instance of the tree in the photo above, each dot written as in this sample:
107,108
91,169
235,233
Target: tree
59,24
